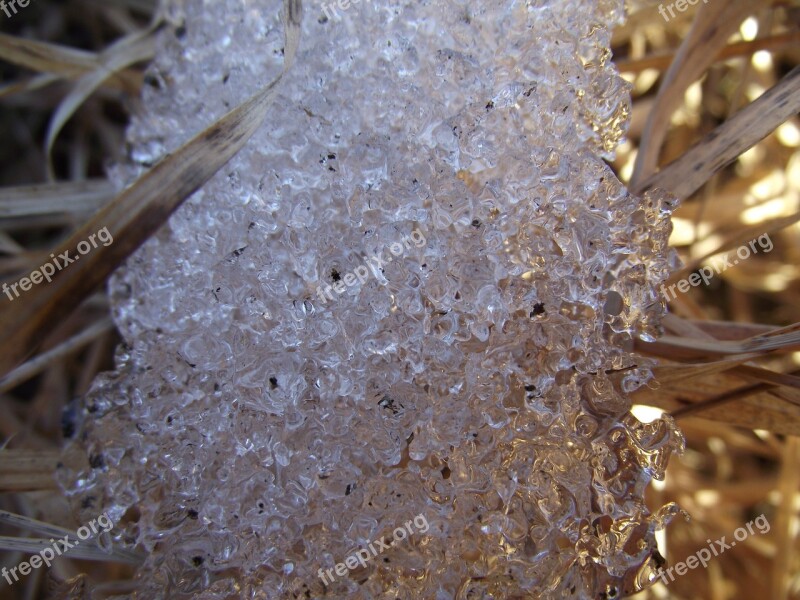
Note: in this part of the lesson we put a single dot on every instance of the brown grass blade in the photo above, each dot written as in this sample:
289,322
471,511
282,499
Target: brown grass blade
736,239
28,84
662,62
68,197
756,405
669,374
33,545
793,328
761,344
137,213
785,521
767,376
38,364
727,330
9,245
722,146
83,551
44,57
717,401
708,388
53,62
713,25
27,524
128,51
28,470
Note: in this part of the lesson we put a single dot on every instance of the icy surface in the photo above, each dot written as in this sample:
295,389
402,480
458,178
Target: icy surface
257,430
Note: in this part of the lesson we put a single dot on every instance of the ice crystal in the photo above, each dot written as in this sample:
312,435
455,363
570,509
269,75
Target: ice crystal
258,429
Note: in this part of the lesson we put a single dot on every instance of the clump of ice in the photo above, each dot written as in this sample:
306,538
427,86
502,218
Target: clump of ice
254,433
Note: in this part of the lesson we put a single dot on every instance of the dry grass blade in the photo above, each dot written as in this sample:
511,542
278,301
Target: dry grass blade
28,524
767,376
28,470
36,365
693,337
787,340
723,145
727,330
9,245
760,406
138,212
46,58
72,197
684,381
794,327
717,401
714,23
669,374
34,545
82,551
746,48
784,341
786,520
130,50
53,62
757,406
29,84
734,240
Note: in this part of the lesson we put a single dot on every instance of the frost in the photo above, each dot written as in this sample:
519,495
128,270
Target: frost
254,434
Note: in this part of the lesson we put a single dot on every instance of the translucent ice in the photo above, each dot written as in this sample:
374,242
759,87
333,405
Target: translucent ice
269,416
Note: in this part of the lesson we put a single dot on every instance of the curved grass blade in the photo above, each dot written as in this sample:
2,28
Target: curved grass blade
136,213
722,146
128,51
713,25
